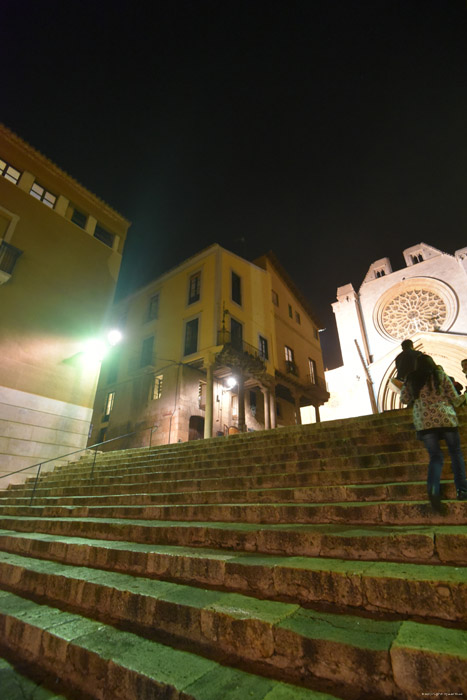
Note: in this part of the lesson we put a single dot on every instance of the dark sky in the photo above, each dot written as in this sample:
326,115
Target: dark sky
333,132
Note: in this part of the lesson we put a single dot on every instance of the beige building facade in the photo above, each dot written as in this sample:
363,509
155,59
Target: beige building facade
60,254
425,301
215,346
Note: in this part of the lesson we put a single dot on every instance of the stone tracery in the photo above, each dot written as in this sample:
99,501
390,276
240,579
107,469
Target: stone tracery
413,310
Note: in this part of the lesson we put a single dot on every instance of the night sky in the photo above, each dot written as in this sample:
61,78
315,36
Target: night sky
333,132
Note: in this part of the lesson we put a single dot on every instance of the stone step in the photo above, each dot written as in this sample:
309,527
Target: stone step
399,589
367,475
340,648
98,661
14,685
354,513
257,448
391,459
406,491
445,544
252,456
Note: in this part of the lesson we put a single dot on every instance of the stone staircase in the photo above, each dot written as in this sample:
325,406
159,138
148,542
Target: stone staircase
301,563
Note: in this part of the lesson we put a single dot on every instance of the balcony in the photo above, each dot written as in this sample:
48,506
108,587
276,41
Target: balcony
236,353
8,257
226,338
291,368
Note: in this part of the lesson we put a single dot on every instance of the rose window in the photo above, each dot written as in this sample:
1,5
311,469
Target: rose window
412,311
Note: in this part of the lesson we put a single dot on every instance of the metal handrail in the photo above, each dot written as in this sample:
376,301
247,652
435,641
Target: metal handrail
94,447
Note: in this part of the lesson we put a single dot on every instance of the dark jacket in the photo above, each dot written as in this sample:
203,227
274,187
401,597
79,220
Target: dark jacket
405,363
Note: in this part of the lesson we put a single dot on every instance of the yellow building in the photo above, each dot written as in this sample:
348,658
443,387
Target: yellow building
216,345
60,254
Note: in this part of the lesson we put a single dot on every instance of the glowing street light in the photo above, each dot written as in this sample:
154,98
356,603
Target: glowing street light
114,336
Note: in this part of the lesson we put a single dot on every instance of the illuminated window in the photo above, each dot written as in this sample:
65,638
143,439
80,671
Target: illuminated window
194,291
157,388
79,218
9,172
290,311
312,370
202,395
234,406
43,195
153,308
109,404
236,288
147,350
103,235
263,348
253,404
191,337
289,356
297,318
275,298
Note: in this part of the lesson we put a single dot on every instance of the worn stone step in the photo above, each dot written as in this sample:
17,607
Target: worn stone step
355,513
101,662
367,461
339,648
407,491
308,453
368,475
425,591
15,685
422,544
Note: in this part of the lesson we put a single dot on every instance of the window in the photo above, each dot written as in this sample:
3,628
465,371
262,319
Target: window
9,172
290,365
234,406
153,308
263,348
236,288
315,333
236,334
297,318
202,395
275,298
290,311
109,404
253,403
147,351
194,291
379,273
103,236
8,257
79,218
418,257
43,195
191,336
312,370
157,387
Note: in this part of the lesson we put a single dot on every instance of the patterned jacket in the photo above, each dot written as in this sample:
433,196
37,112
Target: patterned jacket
432,410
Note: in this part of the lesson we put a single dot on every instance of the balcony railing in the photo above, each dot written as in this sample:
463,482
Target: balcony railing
226,338
291,368
8,257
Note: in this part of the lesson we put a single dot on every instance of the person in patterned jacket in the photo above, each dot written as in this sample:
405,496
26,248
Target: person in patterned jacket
434,402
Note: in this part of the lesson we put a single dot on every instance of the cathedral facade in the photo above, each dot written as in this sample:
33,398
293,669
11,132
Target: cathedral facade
425,301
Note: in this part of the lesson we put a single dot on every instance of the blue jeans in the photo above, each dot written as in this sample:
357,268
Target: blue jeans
435,467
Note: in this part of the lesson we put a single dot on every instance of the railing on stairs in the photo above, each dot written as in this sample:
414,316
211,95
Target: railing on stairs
94,447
